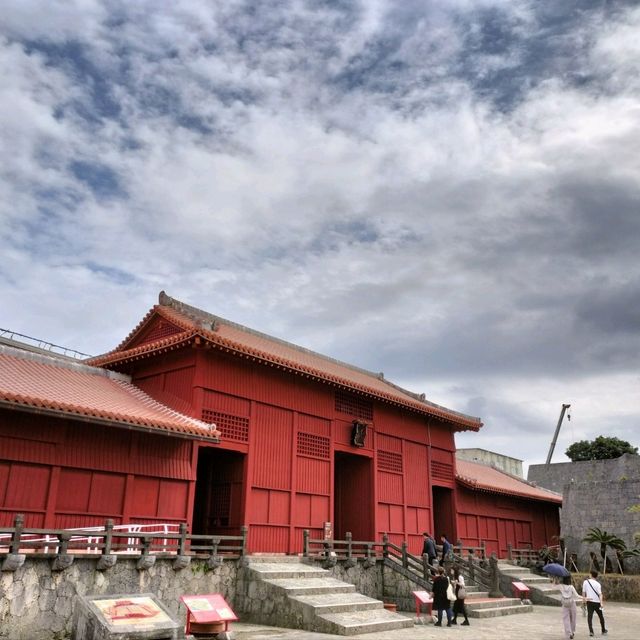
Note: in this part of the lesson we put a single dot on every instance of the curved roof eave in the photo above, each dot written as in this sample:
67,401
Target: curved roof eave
475,486
461,422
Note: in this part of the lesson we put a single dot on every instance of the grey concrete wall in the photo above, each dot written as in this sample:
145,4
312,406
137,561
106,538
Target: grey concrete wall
598,493
482,456
36,603
556,476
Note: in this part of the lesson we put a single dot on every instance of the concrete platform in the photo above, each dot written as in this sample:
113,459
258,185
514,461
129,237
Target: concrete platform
543,623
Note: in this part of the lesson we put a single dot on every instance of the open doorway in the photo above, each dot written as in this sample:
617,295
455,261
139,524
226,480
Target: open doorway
443,514
217,507
352,497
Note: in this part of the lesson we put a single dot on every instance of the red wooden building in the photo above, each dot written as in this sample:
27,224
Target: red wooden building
305,440
80,444
497,508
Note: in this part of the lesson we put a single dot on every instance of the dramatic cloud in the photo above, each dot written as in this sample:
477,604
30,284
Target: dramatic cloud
447,191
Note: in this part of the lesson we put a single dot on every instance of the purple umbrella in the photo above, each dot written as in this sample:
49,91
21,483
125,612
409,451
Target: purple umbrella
555,569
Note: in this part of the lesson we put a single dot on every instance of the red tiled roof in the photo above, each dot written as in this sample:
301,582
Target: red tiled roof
235,338
481,477
40,383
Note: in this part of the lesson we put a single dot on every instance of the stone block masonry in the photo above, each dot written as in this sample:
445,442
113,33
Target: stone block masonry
37,603
596,493
379,582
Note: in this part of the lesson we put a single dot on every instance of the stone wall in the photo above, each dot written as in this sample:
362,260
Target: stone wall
598,493
37,603
367,580
556,476
378,581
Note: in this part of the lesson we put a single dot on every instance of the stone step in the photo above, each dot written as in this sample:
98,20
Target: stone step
311,586
324,603
477,594
257,559
548,588
490,603
271,570
356,622
539,582
519,570
494,612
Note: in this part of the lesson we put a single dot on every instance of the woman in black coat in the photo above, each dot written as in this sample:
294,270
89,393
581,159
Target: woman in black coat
460,591
440,599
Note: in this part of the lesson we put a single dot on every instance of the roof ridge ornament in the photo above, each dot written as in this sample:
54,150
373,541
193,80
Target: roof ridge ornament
200,318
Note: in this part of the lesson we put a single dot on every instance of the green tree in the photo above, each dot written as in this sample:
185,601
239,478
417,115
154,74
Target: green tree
602,448
604,539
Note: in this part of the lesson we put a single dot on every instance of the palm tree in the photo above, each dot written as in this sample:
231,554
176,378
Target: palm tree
604,539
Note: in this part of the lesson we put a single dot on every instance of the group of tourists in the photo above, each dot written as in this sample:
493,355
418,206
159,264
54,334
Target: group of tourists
448,591
592,599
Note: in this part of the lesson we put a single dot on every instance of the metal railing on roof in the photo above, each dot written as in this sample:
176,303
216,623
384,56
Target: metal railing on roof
42,345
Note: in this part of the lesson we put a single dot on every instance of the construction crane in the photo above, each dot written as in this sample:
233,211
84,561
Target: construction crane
555,435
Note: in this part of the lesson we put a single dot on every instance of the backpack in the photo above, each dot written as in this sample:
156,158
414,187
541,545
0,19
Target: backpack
566,600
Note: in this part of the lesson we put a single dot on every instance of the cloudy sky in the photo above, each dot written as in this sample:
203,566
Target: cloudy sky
444,190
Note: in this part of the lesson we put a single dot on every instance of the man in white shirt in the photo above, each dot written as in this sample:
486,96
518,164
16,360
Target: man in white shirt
592,593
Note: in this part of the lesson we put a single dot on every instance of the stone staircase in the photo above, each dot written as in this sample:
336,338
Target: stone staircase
542,590
480,605
494,607
284,591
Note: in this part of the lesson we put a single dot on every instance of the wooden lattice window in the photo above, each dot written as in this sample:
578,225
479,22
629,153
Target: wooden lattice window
390,461
160,330
442,471
310,444
354,405
231,427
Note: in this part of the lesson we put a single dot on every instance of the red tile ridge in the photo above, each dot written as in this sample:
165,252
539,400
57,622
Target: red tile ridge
205,326
514,485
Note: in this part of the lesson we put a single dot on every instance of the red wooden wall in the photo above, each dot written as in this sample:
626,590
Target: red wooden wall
67,474
499,520
286,457
301,467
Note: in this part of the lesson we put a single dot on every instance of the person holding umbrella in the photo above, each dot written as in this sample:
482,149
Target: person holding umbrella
568,594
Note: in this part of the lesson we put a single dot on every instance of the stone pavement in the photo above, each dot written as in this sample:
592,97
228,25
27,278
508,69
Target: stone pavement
544,623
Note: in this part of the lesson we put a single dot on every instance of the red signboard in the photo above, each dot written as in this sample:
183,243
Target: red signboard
520,590
208,608
422,597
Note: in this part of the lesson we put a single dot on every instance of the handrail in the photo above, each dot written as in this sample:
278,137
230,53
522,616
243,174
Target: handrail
479,552
526,556
478,570
416,568
349,550
43,537
133,539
